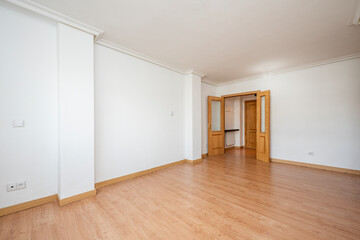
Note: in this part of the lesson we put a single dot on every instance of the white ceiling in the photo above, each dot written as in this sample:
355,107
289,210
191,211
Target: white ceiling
225,39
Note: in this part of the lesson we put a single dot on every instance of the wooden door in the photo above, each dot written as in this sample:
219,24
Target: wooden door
263,126
216,125
250,124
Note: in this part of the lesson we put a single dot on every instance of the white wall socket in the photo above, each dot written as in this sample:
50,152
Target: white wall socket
11,187
16,186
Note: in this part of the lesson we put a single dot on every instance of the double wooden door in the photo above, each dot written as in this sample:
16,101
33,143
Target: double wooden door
216,126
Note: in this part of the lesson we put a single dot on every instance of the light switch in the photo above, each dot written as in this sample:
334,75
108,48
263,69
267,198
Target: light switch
18,123
172,113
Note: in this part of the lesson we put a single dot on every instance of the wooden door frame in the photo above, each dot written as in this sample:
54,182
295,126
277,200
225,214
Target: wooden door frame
255,100
235,95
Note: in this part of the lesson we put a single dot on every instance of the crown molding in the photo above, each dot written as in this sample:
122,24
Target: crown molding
292,69
59,17
138,55
98,33
209,82
192,71
356,20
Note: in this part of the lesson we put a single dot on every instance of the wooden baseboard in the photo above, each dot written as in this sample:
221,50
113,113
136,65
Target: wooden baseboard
62,202
134,175
193,161
27,205
232,148
323,167
204,155
75,198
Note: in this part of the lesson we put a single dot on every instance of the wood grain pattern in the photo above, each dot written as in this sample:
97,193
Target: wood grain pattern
27,205
250,124
232,196
263,138
216,139
193,161
241,94
77,197
229,148
328,168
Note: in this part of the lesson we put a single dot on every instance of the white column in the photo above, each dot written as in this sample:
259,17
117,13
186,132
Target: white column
76,111
192,116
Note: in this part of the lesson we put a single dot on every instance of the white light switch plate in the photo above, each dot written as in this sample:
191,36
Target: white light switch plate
18,123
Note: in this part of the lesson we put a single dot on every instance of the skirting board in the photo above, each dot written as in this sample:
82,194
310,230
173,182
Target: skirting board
141,173
27,205
75,198
137,174
323,167
193,161
234,147
81,196
204,155
45,200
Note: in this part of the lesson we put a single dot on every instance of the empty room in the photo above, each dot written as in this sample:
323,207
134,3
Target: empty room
189,120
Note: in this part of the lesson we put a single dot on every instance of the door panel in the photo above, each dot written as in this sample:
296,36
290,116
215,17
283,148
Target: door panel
216,139
263,126
250,124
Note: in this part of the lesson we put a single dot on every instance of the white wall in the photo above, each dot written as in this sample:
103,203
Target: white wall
28,91
313,110
47,80
232,121
206,90
76,108
133,127
192,117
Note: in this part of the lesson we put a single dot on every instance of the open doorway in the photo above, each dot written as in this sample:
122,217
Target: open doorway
240,120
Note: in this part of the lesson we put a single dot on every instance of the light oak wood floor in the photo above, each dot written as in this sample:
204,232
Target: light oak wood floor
226,197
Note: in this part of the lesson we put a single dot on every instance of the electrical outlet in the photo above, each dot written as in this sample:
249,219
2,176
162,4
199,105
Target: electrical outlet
11,187
20,185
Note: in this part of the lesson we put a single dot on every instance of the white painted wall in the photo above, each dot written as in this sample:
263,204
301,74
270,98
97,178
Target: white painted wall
76,108
28,91
206,90
313,110
133,127
192,116
232,121
48,81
